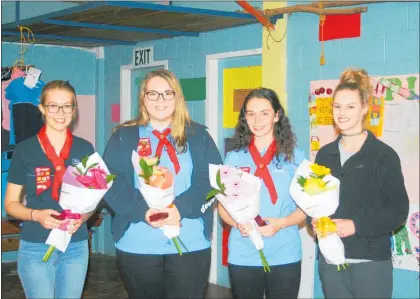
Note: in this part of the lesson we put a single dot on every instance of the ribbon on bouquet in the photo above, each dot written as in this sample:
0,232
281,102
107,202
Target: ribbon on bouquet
66,215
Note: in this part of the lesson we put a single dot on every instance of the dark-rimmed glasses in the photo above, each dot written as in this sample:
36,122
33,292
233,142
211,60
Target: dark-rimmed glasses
153,95
53,108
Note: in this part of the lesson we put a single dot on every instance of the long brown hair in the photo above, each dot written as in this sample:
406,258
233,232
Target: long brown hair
356,79
180,118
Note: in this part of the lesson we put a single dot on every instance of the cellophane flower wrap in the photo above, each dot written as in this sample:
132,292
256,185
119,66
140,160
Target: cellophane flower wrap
157,187
317,193
83,187
239,193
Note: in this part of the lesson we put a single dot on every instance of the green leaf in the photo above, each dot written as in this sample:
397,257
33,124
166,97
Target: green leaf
219,182
91,166
84,161
321,176
79,170
313,175
301,180
110,177
213,193
147,170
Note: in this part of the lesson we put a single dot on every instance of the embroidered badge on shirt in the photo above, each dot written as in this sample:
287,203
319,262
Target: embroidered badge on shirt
144,147
43,179
246,169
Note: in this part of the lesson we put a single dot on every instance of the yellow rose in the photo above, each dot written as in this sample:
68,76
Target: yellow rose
314,186
320,170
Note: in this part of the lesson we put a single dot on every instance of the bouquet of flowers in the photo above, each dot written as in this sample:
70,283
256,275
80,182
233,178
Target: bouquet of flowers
82,189
239,193
316,192
156,184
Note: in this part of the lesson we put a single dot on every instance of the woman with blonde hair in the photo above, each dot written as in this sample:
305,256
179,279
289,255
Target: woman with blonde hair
373,198
148,262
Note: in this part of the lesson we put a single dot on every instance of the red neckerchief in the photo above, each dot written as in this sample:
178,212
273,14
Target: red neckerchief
57,161
262,170
169,147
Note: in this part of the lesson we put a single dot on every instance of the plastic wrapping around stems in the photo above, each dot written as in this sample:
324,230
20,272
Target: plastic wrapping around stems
318,206
258,220
76,199
158,199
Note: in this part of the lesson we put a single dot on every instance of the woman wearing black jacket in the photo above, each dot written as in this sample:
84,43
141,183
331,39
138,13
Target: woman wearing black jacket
373,198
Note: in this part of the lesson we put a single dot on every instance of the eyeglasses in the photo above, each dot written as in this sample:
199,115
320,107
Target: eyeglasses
67,109
153,95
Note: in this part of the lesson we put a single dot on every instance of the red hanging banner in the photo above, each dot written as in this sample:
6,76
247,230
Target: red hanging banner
340,26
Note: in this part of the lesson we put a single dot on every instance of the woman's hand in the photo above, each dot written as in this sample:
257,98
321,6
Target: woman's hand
273,226
245,229
345,227
74,225
44,217
173,216
155,224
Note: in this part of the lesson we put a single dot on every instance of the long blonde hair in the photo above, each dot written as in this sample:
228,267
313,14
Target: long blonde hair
180,118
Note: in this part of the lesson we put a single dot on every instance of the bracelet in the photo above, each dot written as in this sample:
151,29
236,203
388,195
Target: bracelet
32,219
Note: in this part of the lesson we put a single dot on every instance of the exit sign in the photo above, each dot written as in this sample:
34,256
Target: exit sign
142,56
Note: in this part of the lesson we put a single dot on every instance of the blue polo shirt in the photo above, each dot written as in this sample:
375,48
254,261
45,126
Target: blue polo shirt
285,246
140,237
27,156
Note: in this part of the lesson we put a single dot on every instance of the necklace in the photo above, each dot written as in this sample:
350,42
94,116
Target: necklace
355,134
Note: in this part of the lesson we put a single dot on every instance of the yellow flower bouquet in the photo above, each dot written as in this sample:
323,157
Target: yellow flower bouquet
316,192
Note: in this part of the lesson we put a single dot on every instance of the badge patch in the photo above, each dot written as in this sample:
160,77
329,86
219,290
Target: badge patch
144,148
246,169
43,179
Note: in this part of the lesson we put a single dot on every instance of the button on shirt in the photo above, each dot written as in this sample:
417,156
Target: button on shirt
285,246
140,237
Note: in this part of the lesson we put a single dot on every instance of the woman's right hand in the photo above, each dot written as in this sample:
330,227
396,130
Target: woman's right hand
245,229
155,224
44,217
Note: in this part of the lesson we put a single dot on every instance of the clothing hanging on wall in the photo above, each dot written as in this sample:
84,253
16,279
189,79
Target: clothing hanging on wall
15,73
26,119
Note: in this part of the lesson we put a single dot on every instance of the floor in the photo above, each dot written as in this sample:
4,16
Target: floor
103,281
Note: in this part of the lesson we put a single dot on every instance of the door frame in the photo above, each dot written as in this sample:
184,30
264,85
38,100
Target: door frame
212,118
125,86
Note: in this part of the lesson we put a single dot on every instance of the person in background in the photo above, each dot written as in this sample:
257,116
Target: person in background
264,139
148,262
373,198
38,165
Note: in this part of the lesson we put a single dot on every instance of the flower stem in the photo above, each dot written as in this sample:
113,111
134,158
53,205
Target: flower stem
264,261
182,243
178,248
48,253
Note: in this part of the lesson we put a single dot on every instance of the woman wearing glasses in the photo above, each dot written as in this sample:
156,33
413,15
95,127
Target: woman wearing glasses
264,141
38,165
148,262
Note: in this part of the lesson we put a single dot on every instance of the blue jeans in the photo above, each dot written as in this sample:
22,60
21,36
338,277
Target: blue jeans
62,276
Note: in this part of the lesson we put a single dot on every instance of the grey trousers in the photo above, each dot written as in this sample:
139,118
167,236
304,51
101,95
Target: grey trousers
361,280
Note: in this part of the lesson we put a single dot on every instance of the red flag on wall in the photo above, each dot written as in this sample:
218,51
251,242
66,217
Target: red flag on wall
340,26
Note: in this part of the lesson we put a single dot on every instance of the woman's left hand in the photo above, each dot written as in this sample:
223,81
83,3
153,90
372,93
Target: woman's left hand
74,225
273,226
173,216
345,227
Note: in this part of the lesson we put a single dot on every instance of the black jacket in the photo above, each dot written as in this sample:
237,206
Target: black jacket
372,194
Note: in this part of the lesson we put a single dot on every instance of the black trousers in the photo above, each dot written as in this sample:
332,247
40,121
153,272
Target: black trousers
251,282
171,276
361,280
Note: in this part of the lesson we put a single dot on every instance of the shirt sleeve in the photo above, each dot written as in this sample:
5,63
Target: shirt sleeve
122,197
17,171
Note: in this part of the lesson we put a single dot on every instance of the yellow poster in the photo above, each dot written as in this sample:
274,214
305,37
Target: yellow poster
235,82
375,116
324,111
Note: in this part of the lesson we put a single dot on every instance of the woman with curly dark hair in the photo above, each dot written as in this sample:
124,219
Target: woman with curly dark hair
264,141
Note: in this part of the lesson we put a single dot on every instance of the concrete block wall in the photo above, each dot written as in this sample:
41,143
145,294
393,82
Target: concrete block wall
389,45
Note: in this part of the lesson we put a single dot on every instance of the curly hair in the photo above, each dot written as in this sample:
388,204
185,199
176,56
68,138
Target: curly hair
285,138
